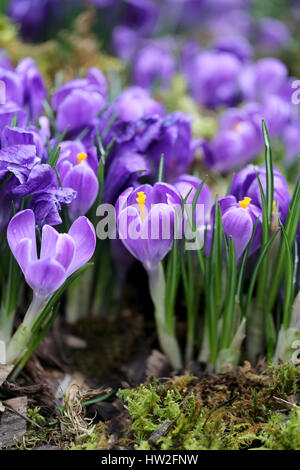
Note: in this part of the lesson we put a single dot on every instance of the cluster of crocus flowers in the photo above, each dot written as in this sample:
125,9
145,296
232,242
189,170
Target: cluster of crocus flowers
94,146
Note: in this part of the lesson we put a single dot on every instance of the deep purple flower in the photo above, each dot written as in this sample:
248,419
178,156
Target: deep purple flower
265,77
14,91
245,183
237,45
291,141
60,256
238,141
238,219
272,34
135,103
213,78
34,16
5,62
187,186
8,111
27,136
47,197
79,101
175,143
6,201
276,112
145,219
75,168
33,86
103,3
152,65
141,16
18,160
228,21
124,42
124,172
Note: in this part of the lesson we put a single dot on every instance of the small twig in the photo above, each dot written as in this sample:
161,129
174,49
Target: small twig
10,408
286,403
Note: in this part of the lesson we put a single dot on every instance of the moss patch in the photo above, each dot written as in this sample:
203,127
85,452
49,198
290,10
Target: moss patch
235,410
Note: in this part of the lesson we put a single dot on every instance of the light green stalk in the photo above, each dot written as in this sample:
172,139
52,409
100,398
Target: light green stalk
165,330
22,336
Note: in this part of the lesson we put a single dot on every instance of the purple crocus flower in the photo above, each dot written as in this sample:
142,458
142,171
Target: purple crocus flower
175,143
27,136
145,219
265,77
77,169
14,91
124,42
136,103
34,16
245,183
238,141
291,140
47,196
237,45
272,34
60,256
6,201
141,16
213,78
7,113
124,172
5,62
33,86
79,101
187,186
153,64
238,219
18,160
276,112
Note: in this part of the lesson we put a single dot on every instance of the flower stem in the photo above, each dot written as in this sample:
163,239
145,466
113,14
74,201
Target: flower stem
166,333
22,336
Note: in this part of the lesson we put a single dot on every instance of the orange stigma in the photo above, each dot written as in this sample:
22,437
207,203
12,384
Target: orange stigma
245,202
141,202
81,157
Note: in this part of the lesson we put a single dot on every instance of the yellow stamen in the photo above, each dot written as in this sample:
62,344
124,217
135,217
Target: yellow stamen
245,202
141,202
236,126
275,207
81,157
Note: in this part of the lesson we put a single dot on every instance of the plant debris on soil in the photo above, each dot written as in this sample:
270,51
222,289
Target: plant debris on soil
137,402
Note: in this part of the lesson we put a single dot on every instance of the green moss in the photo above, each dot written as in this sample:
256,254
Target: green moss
96,440
34,415
216,412
281,432
284,380
183,423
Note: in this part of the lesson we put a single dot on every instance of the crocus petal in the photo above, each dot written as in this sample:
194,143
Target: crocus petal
65,250
78,109
238,224
83,180
21,226
161,232
45,276
83,235
49,240
23,253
